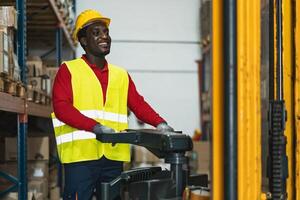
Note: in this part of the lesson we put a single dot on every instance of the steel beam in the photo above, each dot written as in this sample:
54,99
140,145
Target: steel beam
297,99
249,99
230,90
22,123
217,102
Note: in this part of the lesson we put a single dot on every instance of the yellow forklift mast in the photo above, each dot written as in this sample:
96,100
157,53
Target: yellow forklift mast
264,158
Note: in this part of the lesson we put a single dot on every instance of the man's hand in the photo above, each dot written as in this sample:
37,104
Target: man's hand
99,129
164,127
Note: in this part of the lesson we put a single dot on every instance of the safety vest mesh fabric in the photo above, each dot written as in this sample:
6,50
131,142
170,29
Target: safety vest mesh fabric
75,145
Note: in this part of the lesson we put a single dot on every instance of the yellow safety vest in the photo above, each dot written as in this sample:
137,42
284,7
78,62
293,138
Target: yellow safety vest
75,145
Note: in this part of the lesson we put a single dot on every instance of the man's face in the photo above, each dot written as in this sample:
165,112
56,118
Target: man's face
97,40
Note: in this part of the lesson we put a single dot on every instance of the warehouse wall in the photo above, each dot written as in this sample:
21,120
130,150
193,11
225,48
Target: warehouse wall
157,42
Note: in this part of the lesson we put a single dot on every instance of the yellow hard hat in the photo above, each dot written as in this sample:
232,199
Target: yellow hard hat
87,17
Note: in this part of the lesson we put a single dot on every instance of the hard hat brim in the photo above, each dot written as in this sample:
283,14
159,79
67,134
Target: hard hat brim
89,22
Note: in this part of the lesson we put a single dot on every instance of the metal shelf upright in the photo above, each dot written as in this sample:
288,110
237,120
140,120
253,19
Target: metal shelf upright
22,117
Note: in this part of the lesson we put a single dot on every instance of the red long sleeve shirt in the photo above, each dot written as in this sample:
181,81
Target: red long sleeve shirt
67,113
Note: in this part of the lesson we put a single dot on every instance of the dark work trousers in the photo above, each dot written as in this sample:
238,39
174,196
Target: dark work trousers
82,179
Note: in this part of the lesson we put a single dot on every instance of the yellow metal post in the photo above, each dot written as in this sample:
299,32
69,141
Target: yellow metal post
249,109
297,97
288,92
217,101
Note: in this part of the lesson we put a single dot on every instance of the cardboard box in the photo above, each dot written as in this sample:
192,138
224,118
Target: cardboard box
4,62
36,170
202,150
38,196
8,60
51,71
46,85
39,186
35,82
37,148
14,196
3,40
55,193
8,16
35,67
143,155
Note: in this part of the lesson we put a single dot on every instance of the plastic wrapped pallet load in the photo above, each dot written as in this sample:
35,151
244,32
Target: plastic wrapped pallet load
8,16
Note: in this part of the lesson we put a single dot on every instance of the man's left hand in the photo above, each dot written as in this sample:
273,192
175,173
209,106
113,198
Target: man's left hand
164,127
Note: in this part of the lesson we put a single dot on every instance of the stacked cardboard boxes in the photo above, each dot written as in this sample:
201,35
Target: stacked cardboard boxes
51,73
9,67
4,65
50,69
40,79
34,79
8,17
37,165
37,148
142,157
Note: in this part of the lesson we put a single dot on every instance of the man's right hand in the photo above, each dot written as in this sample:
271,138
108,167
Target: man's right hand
99,129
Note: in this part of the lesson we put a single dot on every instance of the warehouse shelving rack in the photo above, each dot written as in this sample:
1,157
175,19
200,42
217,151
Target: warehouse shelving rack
46,25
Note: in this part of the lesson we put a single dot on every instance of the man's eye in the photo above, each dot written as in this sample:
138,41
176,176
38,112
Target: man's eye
96,32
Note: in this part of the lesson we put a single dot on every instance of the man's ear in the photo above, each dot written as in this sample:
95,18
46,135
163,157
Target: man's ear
83,41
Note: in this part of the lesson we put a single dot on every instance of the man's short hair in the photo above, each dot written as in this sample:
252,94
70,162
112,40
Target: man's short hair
82,33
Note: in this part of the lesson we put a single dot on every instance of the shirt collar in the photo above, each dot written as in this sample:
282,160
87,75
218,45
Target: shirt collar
105,68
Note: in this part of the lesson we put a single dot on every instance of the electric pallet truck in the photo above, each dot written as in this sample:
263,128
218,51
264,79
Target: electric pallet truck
153,183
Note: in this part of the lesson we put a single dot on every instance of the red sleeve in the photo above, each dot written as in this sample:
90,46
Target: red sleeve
62,98
142,110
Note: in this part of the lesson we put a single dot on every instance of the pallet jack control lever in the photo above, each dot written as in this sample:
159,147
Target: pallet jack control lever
160,144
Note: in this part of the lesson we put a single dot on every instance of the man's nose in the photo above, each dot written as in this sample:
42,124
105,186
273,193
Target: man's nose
104,35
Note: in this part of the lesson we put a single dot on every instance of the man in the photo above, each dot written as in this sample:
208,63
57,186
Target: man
90,97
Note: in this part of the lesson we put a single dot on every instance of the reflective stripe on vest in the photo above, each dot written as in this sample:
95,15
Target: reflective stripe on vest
96,114
77,145
76,135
